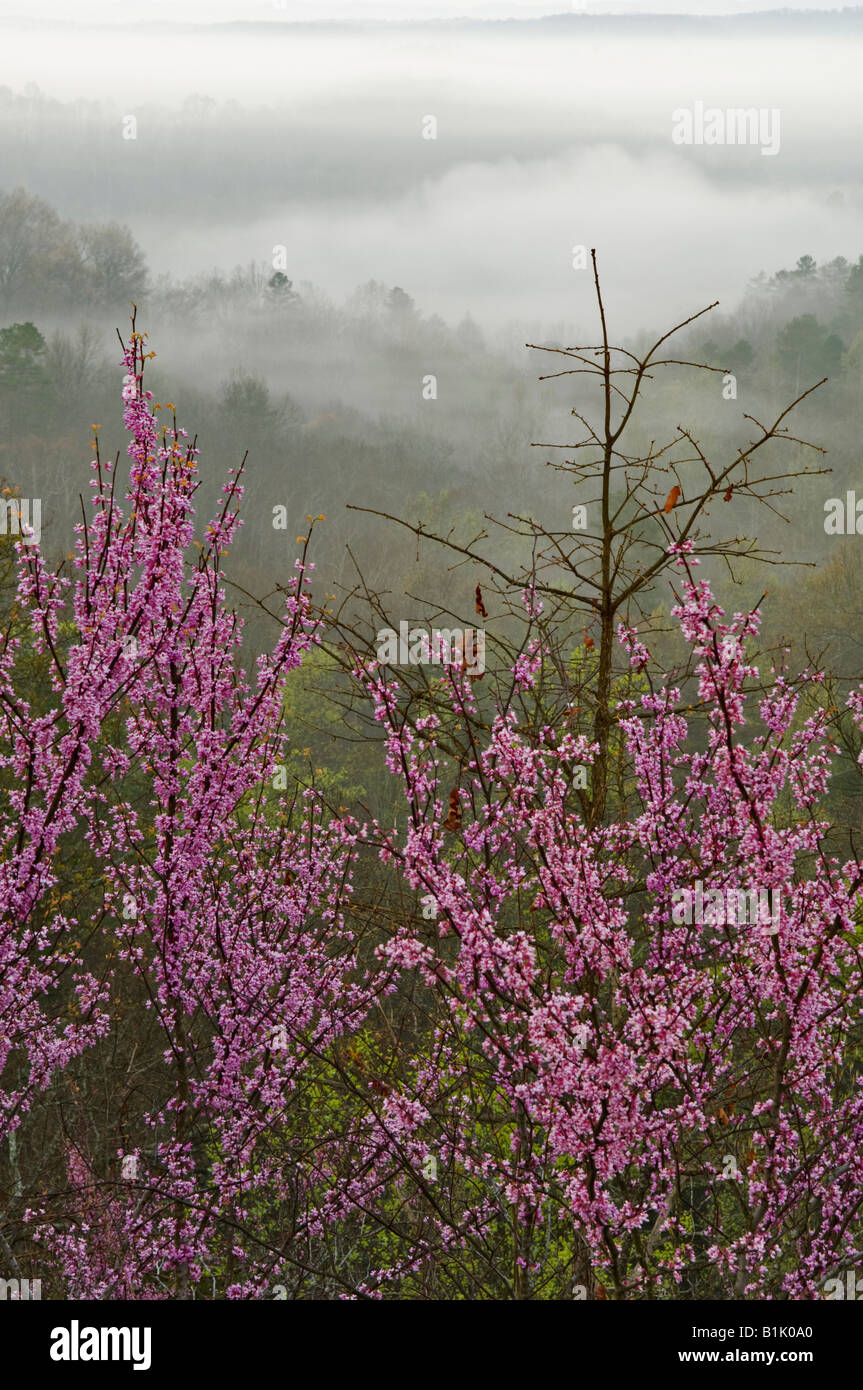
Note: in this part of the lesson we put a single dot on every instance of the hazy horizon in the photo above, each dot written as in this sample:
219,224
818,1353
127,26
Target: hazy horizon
323,152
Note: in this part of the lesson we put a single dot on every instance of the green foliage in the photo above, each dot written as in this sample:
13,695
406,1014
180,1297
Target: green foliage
25,387
327,751
807,351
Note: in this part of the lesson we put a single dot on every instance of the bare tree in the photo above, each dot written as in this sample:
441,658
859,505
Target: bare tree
639,502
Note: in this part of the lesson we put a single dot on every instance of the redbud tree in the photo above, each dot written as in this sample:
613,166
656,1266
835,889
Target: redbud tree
632,1104
593,1048
222,907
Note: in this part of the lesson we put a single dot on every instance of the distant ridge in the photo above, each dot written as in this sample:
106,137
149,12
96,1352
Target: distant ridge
849,16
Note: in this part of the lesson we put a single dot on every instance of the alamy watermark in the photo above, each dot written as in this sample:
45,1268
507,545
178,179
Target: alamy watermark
851,1288
731,125
414,646
721,907
23,1289
16,519
77,1343
844,515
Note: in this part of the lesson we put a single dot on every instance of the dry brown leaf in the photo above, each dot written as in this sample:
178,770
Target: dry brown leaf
671,499
453,820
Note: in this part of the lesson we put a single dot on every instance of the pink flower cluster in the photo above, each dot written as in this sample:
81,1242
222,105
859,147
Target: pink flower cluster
576,1057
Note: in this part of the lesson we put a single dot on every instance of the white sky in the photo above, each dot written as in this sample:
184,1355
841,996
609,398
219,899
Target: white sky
543,145
216,11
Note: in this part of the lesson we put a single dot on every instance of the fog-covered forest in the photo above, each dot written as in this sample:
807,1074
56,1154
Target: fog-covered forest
330,404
